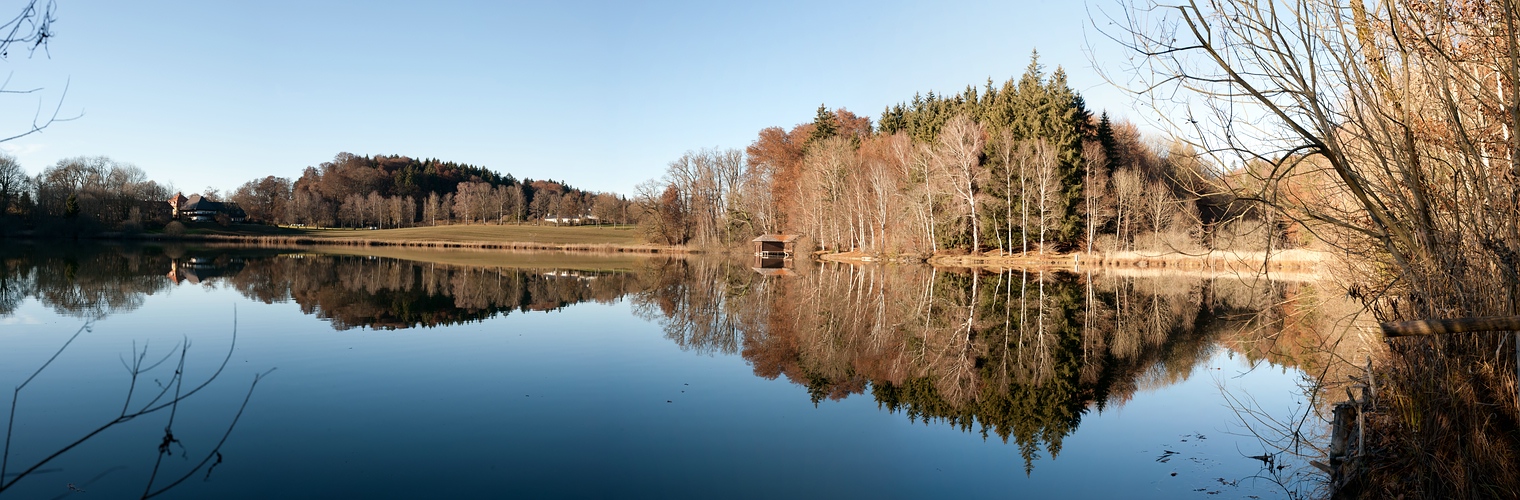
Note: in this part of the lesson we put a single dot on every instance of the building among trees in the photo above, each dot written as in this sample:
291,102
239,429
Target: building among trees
775,245
198,208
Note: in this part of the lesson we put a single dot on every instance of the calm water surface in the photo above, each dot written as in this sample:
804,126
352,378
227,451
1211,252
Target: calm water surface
556,376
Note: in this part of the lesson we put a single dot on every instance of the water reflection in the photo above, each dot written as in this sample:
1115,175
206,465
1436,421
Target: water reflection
86,283
348,291
354,291
142,401
1020,355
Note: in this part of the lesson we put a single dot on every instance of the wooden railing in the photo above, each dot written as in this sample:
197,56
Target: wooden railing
1444,326
1494,324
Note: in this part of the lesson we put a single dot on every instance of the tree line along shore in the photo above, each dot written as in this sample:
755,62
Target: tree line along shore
1386,136
1018,171
86,196
1019,168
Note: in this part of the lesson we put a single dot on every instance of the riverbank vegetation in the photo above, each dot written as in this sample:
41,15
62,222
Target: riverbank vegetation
1404,116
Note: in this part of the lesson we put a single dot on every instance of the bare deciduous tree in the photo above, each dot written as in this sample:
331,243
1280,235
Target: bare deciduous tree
1047,187
1097,203
430,209
13,182
1388,129
1128,188
960,154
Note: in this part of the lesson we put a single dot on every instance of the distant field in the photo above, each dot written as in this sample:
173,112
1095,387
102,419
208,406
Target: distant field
466,233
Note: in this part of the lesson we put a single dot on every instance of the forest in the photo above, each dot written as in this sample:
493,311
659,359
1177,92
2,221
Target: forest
94,194
398,191
1017,167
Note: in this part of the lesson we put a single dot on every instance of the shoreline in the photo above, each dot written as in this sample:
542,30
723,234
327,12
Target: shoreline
309,241
1296,263
1289,262
432,244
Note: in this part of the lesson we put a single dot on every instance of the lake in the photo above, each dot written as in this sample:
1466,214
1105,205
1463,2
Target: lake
473,374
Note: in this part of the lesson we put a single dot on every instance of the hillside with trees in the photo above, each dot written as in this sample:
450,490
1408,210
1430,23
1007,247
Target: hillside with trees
384,191
88,195
399,191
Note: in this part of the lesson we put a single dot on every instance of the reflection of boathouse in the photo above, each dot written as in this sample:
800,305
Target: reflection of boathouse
195,269
576,275
772,266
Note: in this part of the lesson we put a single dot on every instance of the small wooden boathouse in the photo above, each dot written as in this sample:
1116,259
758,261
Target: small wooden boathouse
775,245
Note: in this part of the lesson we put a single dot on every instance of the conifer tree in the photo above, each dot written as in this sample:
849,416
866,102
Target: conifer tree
1067,118
1105,137
893,120
824,125
1029,110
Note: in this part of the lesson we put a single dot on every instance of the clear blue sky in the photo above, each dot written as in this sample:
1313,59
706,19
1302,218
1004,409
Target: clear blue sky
599,94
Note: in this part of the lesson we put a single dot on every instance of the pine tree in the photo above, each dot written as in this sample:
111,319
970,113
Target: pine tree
1105,136
824,125
1032,105
1065,123
893,120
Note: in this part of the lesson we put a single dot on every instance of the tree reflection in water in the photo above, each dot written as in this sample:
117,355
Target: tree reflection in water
86,283
1022,355
351,291
348,291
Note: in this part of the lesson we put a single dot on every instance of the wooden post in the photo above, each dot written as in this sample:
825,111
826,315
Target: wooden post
1340,437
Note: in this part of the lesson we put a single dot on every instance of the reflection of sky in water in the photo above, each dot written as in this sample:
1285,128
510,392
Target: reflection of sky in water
20,318
585,402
